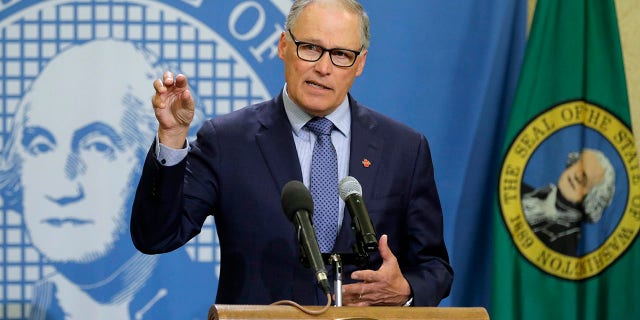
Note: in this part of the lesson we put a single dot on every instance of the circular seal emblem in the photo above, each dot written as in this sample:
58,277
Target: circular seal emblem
569,190
69,218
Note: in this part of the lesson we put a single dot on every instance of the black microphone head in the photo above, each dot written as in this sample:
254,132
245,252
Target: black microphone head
348,186
296,196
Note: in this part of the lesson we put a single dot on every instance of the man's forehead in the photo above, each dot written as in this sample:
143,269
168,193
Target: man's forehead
69,120
322,20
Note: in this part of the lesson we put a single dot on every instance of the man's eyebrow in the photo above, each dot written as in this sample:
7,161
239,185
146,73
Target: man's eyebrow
31,132
316,42
100,128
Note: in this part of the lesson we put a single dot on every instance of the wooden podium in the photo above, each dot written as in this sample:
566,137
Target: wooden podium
223,312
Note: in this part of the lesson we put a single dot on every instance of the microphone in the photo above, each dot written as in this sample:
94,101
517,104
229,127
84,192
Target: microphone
351,192
298,207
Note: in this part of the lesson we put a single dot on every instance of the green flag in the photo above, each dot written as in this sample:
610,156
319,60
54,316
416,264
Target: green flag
567,210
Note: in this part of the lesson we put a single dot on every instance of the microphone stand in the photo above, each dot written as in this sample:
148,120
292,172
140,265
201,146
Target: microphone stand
359,257
337,284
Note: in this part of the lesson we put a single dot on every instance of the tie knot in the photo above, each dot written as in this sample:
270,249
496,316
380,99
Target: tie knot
320,126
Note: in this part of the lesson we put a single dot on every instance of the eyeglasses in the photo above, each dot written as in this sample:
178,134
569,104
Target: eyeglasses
312,52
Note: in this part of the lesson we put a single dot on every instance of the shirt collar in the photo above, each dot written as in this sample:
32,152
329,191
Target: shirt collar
341,117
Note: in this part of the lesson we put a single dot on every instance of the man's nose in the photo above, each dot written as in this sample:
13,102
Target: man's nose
324,64
76,195
74,166
68,188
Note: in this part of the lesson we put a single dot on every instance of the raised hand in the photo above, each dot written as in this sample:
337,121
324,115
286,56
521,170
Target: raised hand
385,286
174,108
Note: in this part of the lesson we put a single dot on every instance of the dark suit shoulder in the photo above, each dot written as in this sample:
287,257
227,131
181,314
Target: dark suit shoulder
263,112
375,120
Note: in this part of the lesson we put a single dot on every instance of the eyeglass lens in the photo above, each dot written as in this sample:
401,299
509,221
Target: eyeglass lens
312,52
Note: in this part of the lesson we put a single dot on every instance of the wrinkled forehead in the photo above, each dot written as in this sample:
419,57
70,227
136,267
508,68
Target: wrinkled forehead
591,164
70,108
70,94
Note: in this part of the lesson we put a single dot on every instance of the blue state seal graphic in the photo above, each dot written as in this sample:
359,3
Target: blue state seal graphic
76,124
569,190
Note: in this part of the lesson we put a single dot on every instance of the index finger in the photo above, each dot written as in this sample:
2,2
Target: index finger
364,275
159,86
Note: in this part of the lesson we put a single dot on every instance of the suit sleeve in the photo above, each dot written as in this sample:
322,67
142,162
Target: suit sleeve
426,266
163,218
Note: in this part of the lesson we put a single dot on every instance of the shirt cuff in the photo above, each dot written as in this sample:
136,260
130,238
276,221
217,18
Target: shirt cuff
409,303
168,156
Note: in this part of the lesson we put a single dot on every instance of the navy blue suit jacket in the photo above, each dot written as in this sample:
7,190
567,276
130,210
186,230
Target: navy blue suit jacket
236,170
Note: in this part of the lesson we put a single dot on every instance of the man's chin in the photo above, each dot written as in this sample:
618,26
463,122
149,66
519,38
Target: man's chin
318,109
69,254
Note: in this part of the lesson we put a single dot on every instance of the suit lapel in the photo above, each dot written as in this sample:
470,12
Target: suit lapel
366,148
276,143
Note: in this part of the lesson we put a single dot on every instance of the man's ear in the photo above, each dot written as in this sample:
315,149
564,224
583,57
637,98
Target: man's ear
282,45
362,59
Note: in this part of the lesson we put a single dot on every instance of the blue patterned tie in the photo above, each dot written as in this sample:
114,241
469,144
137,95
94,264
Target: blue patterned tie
324,184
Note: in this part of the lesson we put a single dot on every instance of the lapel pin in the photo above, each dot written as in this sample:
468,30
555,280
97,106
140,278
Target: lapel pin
366,163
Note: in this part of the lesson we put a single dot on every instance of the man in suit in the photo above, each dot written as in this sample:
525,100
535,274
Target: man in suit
236,168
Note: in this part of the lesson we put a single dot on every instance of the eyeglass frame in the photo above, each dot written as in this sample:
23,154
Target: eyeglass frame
298,43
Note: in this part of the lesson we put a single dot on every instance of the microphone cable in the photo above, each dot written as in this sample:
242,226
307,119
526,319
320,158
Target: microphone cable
303,309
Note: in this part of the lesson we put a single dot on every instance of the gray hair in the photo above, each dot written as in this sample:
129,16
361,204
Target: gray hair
601,195
352,5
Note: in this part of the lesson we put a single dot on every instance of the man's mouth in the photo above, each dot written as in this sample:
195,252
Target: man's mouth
317,85
59,222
